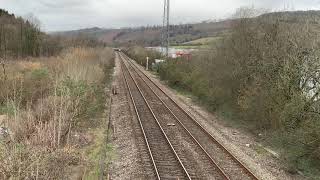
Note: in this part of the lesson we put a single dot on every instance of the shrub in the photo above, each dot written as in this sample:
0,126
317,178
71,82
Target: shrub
266,74
140,54
46,100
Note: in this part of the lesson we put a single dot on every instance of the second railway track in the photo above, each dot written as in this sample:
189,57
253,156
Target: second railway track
194,148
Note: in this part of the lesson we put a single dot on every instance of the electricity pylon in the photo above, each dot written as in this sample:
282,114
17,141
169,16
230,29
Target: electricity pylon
166,27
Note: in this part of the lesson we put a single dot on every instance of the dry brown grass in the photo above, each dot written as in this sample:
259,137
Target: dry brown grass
42,100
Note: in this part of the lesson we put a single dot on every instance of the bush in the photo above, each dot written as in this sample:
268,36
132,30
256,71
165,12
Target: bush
46,100
140,54
266,74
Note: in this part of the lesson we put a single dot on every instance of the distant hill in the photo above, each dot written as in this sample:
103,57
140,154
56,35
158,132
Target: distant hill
93,32
295,16
151,36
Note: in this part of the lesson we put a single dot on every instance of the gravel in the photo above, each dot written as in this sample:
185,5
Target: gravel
127,162
132,162
240,143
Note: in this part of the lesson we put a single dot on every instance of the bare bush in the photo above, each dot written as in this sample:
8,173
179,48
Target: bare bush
44,100
265,75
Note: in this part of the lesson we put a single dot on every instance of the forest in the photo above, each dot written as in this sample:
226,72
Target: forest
22,37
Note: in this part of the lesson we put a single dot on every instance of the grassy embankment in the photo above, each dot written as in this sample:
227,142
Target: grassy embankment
52,110
203,43
264,78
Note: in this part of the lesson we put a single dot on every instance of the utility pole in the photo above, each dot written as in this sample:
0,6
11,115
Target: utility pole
166,27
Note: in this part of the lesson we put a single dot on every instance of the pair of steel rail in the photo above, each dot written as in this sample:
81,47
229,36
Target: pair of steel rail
176,165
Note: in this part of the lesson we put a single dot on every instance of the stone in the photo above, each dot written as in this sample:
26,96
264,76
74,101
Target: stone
5,134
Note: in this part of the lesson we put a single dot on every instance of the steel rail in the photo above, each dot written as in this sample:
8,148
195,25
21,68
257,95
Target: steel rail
157,121
248,172
214,163
141,127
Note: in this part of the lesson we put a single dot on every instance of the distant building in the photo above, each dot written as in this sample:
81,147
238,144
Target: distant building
174,52
183,54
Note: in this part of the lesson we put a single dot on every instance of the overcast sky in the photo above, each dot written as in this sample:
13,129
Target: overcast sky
75,14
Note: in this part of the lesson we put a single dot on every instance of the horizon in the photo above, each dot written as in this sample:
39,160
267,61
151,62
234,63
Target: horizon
160,25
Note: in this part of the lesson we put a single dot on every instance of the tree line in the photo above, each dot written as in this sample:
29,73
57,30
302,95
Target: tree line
21,38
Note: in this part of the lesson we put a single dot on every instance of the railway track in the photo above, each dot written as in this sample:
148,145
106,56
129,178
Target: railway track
181,132
167,164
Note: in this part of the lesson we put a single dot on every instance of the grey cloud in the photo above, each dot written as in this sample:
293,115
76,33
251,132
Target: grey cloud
74,14
64,3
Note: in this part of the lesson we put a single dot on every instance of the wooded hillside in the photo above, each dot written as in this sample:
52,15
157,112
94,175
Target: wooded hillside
150,35
21,38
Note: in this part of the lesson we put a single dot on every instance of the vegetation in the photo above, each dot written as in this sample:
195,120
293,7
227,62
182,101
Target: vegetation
150,35
264,75
52,101
48,104
139,54
22,38
207,42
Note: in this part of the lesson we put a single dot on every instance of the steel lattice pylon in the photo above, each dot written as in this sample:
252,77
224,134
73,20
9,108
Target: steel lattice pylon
166,28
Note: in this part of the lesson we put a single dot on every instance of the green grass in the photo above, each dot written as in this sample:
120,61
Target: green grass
259,149
94,153
97,152
9,109
203,41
